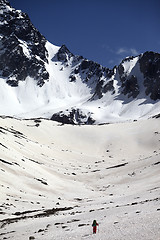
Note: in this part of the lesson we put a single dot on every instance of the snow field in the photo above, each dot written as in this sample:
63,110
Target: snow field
109,173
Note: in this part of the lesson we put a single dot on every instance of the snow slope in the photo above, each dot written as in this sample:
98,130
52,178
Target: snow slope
55,179
28,100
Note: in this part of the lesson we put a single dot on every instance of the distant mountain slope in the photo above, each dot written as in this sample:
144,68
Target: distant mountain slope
38,79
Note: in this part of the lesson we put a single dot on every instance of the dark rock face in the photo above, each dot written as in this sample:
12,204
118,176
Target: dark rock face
74,116
63,54
22,48
129,82
149,64
92,74
130,86
109,87
150,67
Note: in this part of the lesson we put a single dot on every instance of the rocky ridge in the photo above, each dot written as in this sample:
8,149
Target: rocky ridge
22,48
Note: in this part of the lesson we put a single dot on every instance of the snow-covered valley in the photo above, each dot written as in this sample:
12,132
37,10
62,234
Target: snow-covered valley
55,179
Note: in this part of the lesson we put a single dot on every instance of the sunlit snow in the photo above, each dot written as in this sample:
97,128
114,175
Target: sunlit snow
56,179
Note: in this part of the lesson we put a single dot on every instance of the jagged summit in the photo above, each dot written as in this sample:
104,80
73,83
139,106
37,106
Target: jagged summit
39,79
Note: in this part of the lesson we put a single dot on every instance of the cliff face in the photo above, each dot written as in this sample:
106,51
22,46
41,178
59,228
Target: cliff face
150,67
22,47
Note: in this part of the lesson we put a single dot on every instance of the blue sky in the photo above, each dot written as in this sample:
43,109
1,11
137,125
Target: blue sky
105,31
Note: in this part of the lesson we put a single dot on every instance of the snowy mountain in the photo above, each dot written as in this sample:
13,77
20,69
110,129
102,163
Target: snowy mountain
38,79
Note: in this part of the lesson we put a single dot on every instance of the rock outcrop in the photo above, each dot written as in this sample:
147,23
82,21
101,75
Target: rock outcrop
22,48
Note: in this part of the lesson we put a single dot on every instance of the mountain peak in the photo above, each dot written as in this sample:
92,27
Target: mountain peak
63,54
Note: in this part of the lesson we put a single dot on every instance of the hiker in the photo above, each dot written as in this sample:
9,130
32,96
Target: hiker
94,225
